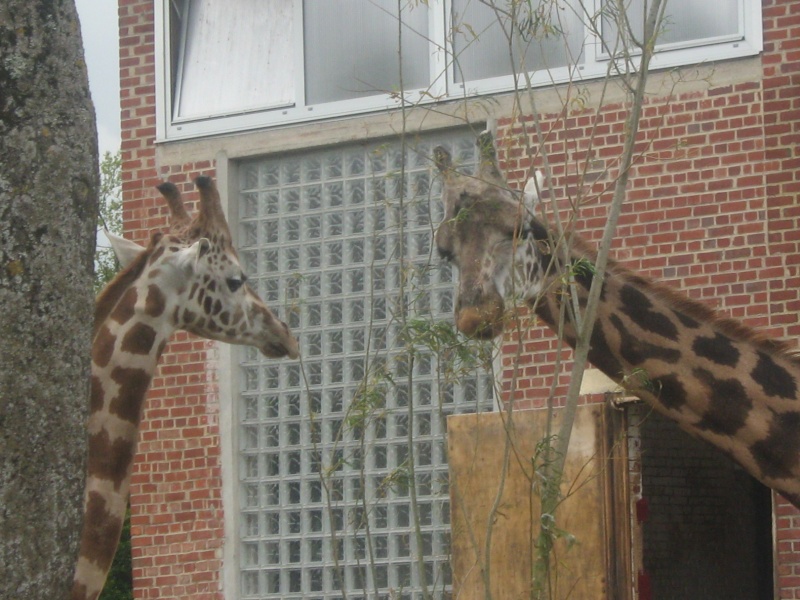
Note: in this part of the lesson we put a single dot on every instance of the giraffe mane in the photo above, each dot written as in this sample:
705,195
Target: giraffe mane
731,327
695,309
108,298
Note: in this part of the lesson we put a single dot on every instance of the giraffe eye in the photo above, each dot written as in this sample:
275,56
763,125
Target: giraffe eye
234,283
445,254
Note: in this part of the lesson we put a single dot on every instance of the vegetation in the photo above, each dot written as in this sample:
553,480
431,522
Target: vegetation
119,585
110,218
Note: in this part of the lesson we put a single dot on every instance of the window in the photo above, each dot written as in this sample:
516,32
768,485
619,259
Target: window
687,24
212,46
326,445
487,43
223,67
351,49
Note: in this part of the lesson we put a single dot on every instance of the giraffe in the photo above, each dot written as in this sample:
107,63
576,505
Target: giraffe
718,379
189,278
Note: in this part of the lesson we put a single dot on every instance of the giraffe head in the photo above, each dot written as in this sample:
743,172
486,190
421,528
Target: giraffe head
489,233
194,277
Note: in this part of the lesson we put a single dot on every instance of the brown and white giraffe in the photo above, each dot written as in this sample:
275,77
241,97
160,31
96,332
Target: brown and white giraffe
190,279
720,380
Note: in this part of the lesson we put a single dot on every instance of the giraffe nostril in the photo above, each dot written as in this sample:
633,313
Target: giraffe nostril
481,316
445,254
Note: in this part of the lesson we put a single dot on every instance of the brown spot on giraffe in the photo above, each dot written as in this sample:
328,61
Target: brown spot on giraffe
126,307
670,391
139,339
105,530
719,349
638,307
103,346
774,380
97,394
778,454
686,320
728,403
636,351
133,384
156,301
110,459
601,356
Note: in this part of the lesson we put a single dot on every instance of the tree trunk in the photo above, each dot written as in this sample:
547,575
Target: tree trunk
48,204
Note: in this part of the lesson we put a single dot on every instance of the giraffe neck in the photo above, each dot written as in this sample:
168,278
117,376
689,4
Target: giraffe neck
128,342
717,378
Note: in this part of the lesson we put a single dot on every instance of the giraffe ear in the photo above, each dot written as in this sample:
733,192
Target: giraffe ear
442,159
125,250
531,193
203,246
188,257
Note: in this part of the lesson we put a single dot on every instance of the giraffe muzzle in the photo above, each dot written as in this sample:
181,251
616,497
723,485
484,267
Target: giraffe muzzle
483,322
287,346
280,342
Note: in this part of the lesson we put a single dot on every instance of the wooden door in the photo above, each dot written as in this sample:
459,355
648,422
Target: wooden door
494,488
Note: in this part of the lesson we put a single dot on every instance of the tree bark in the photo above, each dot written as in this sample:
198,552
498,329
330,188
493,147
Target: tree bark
48,205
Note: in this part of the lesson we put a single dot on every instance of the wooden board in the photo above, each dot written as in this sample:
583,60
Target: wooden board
477,445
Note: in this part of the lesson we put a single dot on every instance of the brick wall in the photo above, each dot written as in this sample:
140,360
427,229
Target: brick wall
712,208
176,506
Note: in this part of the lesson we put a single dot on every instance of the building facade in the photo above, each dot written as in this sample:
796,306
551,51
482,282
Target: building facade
327,477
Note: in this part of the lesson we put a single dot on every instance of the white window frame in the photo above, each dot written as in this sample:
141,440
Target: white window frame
595,65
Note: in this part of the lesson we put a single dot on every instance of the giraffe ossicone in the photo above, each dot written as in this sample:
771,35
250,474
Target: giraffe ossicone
718,379
189,278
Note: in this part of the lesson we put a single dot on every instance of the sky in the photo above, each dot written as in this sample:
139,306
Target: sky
101,47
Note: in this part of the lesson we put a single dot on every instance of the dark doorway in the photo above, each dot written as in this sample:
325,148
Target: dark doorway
707,532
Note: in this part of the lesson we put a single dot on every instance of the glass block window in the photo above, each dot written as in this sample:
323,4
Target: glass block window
342,456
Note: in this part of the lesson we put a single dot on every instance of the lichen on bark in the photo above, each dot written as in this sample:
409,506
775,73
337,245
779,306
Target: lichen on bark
48,203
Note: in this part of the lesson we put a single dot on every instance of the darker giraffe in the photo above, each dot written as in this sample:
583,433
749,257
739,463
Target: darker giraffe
720,380
187,279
